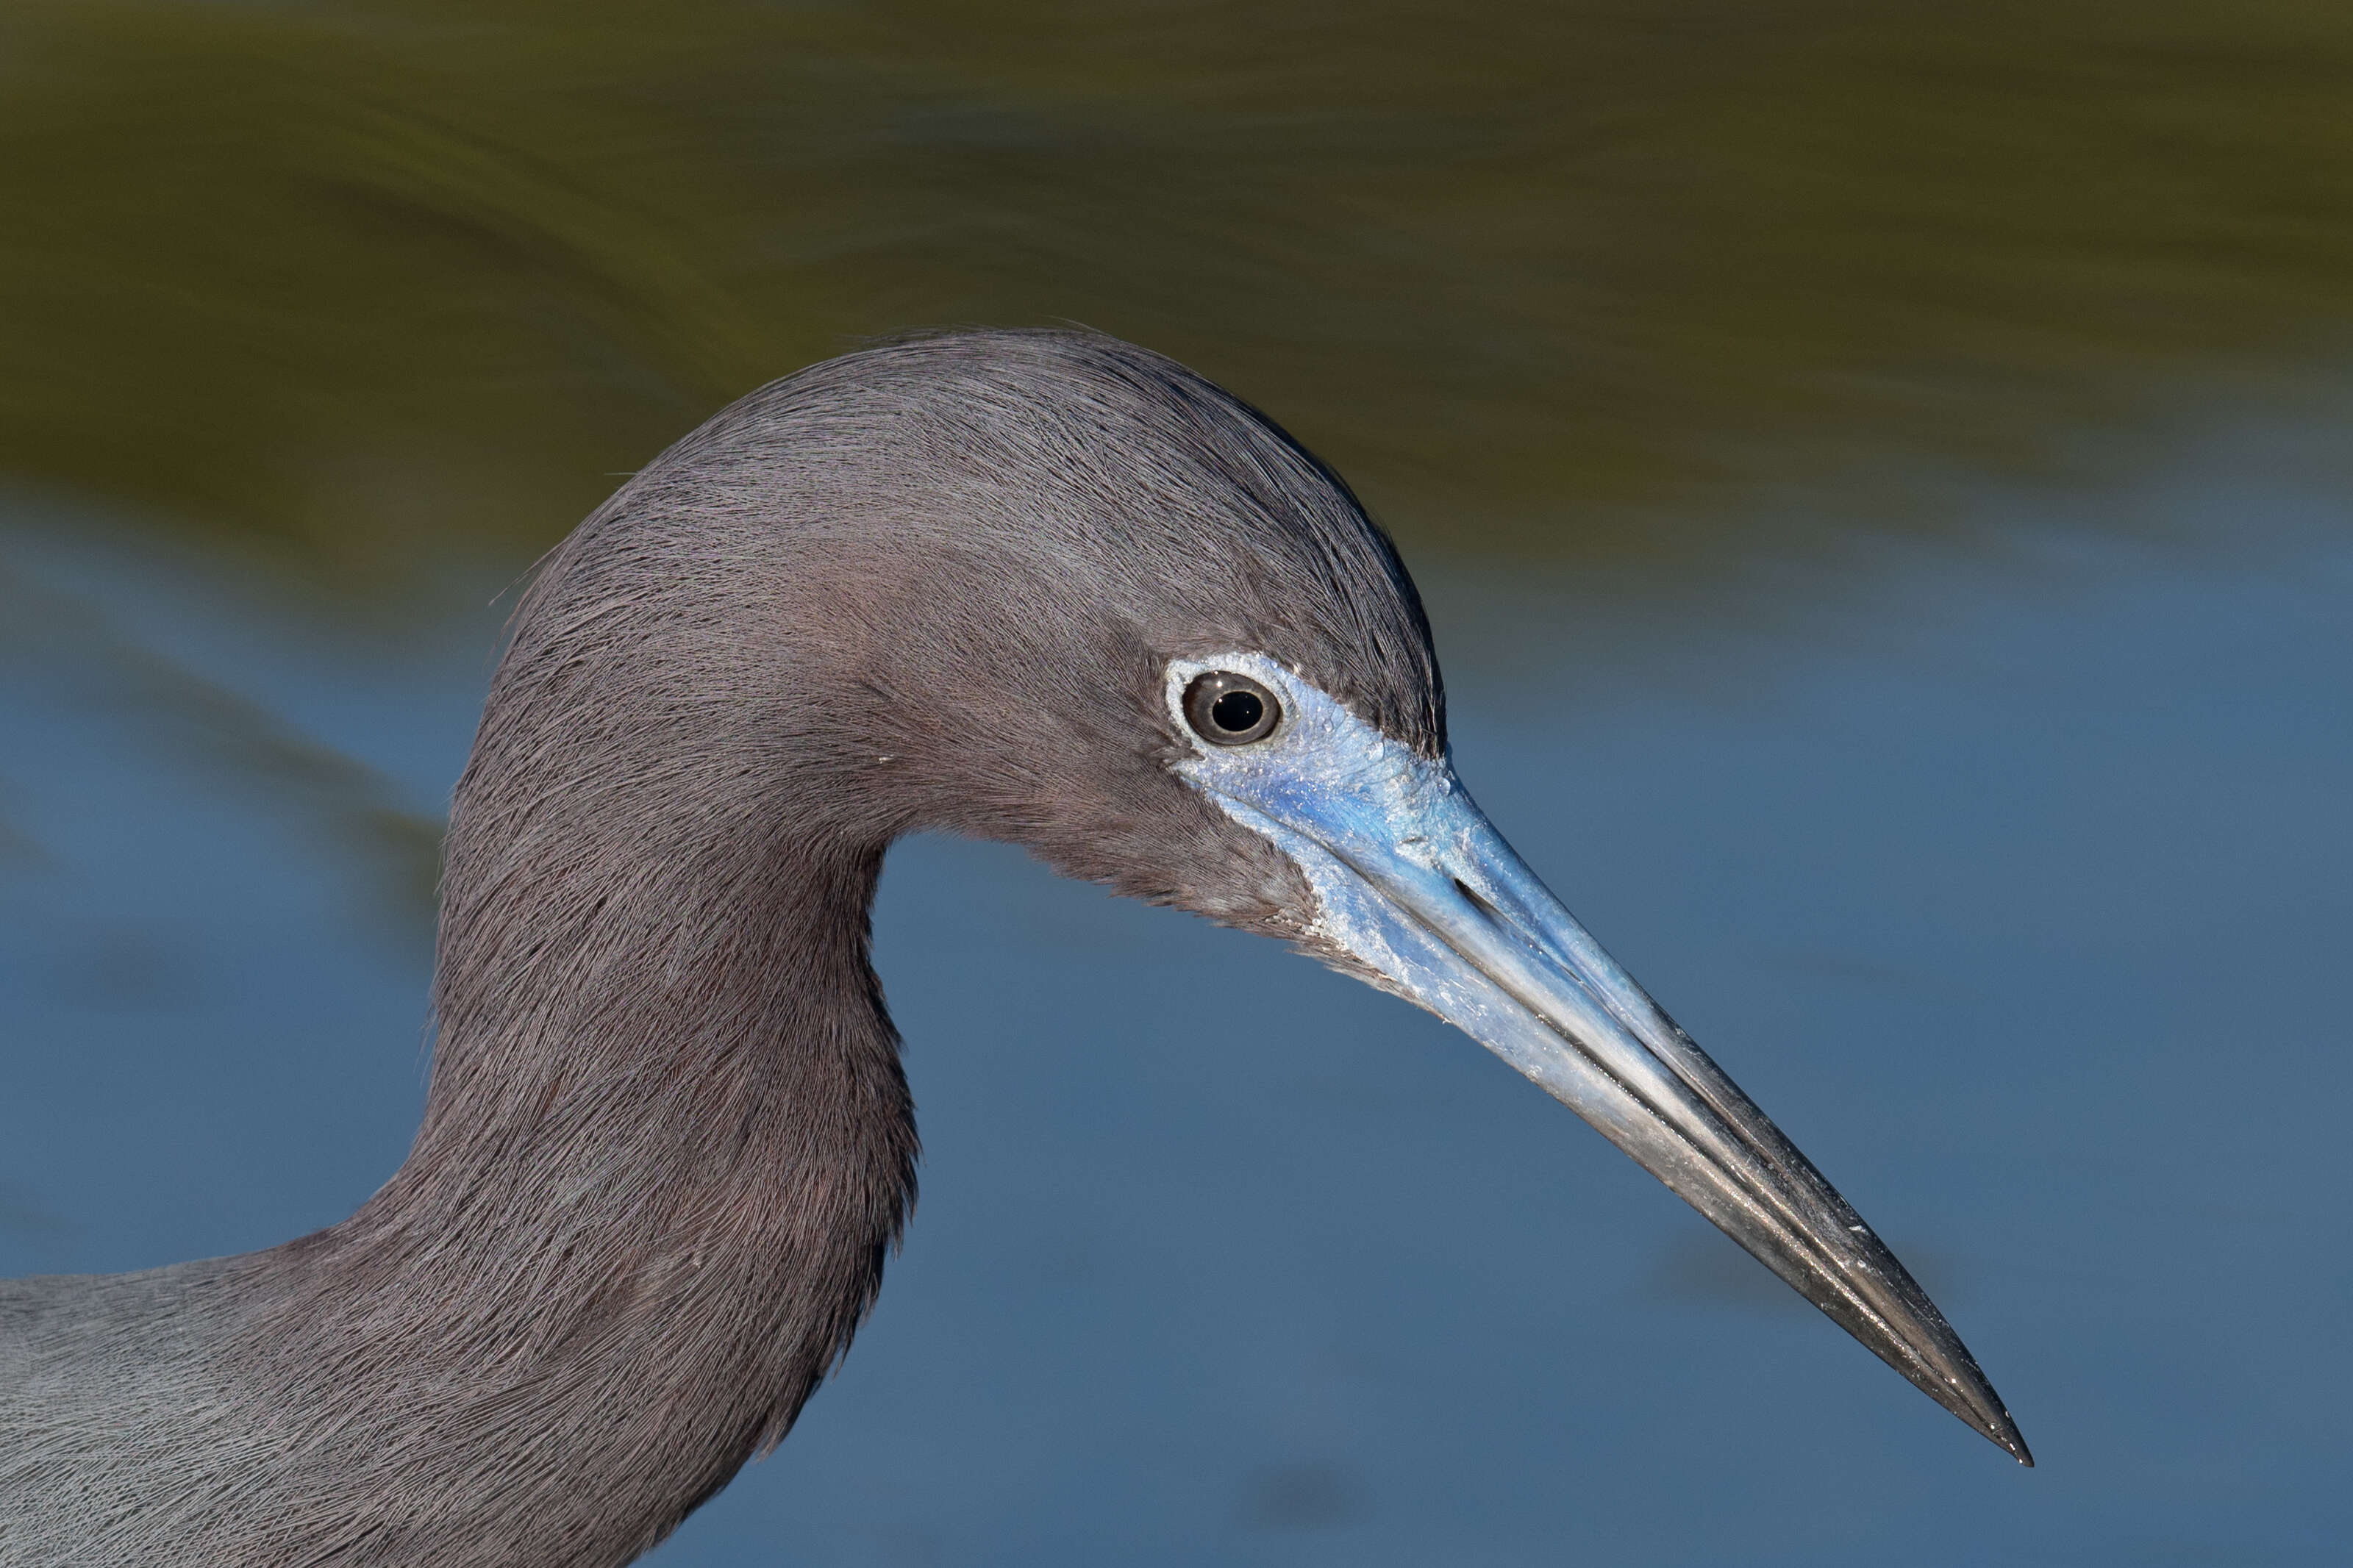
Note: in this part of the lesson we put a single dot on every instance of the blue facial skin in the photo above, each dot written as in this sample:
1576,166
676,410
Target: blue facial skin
1417,891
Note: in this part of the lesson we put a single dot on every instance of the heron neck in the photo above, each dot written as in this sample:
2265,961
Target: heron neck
666,1148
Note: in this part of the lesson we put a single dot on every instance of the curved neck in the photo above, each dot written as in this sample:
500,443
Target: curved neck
666,1148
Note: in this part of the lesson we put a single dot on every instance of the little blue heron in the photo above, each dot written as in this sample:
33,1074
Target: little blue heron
1043,588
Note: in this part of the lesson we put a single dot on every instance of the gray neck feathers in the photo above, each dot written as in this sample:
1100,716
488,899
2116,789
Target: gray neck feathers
666,1148
667,1142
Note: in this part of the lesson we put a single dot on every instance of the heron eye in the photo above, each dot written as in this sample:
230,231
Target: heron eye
1229,710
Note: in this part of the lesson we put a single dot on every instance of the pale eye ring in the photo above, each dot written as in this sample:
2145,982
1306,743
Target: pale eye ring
1226,708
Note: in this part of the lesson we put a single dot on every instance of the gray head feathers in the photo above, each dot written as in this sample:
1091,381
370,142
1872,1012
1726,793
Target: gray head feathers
667,1144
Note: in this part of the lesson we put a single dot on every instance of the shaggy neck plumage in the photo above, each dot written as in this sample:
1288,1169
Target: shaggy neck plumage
666,1147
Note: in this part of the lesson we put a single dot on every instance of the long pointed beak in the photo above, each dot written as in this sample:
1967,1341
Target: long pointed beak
1419,892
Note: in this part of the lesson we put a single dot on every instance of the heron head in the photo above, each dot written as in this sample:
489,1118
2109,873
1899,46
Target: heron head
1055,589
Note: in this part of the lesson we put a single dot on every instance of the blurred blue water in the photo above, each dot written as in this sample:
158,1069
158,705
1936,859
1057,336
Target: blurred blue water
2015,884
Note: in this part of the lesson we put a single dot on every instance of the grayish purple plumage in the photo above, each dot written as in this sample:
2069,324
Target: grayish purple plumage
667,1143
945,583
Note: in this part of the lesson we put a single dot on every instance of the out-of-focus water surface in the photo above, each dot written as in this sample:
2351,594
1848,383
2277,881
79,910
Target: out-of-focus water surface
381,278
1880,480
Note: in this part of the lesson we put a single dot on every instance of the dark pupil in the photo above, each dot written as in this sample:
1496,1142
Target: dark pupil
1235,711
